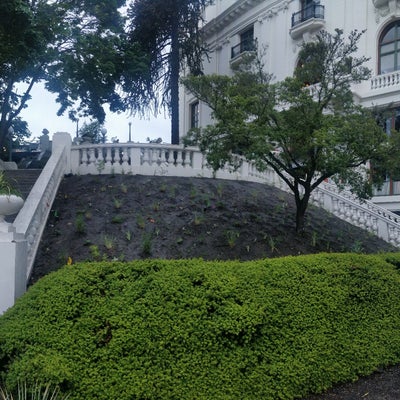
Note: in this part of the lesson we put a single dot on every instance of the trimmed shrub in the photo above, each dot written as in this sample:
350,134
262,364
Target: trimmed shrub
189,329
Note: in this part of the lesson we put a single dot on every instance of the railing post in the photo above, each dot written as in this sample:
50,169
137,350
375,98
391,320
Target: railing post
136,159
13,250
63,139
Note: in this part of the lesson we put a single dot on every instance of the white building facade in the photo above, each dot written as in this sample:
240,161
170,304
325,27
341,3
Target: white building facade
279,27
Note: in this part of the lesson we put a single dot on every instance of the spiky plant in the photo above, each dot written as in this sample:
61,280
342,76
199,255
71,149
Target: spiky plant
38,392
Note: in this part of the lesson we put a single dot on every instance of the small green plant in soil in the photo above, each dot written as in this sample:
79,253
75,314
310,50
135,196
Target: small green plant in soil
109,242
272,244
232,237
117,219
357,247
314,237
147,242
193,192
124,188
140,221
80,226
95,252
117,203
198,219
128,235
220,190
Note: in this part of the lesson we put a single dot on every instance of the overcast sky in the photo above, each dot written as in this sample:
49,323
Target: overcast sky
42,113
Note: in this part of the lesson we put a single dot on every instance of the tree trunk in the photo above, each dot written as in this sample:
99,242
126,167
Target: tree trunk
4,125
301,208
175,80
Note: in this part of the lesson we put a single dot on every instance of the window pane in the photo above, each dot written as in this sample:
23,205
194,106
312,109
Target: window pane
247,35
389,36
306,3
194,115
386,48
397,65
387,63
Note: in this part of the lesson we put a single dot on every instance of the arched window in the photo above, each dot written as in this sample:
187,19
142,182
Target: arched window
389,49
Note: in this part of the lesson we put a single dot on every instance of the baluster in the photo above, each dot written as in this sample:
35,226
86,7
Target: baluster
361,218
347,212
125,159
340,209
186,158
146,157
355,215
375,225
163,158
392,234
335,206
179,159
84,157
92,160
108,158
368,222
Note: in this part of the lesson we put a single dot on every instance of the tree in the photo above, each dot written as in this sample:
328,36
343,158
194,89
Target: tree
168,33
93,132
76,47
307,128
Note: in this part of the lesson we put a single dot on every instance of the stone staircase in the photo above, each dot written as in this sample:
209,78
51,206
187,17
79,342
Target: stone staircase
23,180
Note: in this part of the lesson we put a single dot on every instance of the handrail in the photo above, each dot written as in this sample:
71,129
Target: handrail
362,213
31,220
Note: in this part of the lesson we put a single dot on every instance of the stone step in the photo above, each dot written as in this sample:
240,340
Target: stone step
23,179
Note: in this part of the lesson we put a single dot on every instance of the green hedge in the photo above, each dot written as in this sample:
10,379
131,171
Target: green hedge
189,329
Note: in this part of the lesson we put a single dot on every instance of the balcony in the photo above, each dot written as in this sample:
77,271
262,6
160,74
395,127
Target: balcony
380,90
309,19
240,50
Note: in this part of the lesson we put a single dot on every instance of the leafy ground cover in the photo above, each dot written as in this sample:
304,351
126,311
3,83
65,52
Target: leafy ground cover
188,329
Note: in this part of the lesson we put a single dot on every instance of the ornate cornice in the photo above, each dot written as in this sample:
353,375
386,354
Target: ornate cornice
236,10
384,8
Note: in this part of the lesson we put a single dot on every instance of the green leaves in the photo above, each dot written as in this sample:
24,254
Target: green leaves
306,128
278,328
74,46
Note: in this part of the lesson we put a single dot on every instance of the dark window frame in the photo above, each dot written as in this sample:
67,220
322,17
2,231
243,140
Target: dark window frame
394,53
194,114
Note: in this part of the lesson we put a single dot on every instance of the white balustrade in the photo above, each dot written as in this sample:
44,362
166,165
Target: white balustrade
32,218
385,80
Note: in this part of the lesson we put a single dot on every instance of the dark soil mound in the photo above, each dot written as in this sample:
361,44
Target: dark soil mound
131,217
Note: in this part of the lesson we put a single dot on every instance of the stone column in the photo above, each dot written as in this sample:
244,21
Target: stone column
63,140
13,274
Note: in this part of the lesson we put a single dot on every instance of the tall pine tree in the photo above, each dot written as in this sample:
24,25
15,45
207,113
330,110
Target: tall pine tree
168,32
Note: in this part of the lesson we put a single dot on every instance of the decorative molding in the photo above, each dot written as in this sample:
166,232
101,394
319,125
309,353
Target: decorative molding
239,8
384,8
229,15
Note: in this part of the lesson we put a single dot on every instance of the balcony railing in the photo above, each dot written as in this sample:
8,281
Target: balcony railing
246,45
312,11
